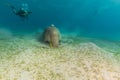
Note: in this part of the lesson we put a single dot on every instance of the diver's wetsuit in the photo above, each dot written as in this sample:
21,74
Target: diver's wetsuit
21,13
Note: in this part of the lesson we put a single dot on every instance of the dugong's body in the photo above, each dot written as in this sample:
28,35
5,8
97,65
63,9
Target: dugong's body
52,36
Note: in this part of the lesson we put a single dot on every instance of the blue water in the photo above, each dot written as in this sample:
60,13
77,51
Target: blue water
91,18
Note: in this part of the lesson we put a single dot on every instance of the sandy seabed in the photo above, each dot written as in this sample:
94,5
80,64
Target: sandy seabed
23,58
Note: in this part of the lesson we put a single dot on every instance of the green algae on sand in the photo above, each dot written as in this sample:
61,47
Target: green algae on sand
27,59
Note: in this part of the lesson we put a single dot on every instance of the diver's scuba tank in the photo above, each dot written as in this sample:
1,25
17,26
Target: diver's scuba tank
24,6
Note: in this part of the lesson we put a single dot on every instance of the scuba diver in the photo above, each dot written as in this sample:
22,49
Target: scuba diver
23,12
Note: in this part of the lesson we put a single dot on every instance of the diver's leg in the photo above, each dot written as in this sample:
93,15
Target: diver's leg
13,8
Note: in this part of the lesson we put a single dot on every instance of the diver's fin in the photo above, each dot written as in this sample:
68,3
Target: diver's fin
12,7
9,5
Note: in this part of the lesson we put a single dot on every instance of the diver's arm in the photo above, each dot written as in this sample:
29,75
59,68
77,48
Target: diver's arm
29,12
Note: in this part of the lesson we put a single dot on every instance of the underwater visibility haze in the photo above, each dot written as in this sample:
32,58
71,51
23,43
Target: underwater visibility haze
59,40
92,18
